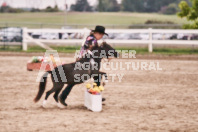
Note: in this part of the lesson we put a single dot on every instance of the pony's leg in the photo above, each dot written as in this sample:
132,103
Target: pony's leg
55,88
56,99
65,93
56,95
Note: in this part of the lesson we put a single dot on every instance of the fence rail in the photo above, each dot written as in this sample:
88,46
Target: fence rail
150,41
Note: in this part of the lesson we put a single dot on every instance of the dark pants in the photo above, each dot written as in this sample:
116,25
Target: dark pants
69,87
66,91
97,80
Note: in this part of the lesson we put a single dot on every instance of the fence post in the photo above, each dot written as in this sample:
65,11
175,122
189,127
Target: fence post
24,43
150,45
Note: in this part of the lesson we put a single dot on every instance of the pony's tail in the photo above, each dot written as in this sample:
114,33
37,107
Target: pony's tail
41,87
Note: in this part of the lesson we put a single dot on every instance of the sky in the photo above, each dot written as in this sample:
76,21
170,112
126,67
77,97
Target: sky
42,3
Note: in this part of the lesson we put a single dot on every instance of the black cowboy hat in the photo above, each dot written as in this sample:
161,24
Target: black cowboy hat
100,29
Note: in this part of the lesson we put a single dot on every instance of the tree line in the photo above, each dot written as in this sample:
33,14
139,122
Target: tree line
8,9
186,8
160,6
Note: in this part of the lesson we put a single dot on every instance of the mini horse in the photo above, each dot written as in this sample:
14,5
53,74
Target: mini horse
69,72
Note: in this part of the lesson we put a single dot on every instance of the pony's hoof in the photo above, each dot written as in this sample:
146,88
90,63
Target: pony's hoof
60,106
44,104
61,101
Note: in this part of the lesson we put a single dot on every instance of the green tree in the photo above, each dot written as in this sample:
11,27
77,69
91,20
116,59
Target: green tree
108,6
113,6
148,5
100,6
128,5
9,9
189,12
170,9
81,5
4,9
35,10
50,9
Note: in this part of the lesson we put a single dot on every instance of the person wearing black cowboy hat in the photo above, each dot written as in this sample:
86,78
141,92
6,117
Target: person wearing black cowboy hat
91,40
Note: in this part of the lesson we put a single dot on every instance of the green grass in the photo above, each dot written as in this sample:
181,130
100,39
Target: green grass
120,18
72,49
167,51
178,51
11,48
62,49
68,49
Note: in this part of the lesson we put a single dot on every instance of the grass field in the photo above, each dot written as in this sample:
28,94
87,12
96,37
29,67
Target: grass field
142,50
45,19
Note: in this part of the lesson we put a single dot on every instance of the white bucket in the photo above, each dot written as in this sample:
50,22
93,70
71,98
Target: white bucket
93,102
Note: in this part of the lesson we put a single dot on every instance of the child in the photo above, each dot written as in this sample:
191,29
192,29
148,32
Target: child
91,40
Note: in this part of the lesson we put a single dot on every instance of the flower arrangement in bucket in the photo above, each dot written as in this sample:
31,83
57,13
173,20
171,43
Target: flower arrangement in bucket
95,90
93,97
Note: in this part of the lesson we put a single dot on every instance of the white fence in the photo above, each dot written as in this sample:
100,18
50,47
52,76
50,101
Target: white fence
150,41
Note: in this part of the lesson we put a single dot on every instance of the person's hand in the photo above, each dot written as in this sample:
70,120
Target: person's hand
90,46
104,42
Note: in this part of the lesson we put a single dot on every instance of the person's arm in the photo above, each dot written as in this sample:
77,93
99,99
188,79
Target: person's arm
90,41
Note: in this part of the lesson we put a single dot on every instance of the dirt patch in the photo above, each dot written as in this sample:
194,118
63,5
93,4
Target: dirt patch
164,100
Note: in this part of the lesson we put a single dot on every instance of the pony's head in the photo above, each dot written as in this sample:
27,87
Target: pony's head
110,51
104,51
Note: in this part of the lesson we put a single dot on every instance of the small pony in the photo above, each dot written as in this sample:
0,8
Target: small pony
93,58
